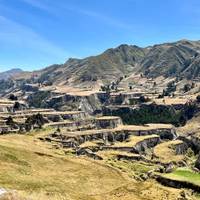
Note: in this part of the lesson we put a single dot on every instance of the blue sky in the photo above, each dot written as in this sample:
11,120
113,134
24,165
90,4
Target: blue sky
37,33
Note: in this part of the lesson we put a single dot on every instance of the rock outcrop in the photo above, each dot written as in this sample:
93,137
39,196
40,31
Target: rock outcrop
181,148
88,153
117,134
142,146
177,183
192,142
108,122
88,103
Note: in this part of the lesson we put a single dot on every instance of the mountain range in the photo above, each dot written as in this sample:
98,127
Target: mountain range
181,58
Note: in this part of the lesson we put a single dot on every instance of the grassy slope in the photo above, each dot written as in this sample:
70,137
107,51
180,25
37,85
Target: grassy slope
34,169
30,166
184,174
167,153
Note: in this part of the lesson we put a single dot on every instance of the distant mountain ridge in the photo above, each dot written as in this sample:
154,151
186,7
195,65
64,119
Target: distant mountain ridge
106,67
10,73
180,58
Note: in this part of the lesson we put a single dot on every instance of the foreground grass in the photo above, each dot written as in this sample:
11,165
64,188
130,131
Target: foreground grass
37,171
30,166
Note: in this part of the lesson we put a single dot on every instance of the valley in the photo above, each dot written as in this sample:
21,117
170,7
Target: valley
116,126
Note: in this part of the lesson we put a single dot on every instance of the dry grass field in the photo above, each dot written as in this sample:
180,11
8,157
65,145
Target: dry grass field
76,91
37,171
133,140
173,101
166,152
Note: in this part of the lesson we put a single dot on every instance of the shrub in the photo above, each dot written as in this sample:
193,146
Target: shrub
187,87
198,98
143,99
35,120
12,97
37,99
16,106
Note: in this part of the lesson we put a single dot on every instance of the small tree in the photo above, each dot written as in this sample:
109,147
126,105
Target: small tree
10,122
113,85
35,121
198,99
171,87
193,85
143,99
165,93
12,97
160,96
186,88
58,130
105,88
16,106
121,78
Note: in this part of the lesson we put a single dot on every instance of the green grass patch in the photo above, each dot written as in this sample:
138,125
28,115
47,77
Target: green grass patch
185,174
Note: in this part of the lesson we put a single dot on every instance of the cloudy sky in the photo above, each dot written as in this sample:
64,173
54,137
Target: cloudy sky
37,33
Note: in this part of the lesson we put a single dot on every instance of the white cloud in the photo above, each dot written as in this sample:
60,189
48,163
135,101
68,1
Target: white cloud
37,4
106,19
93,14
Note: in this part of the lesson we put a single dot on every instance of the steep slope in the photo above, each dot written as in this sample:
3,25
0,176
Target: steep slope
9,74
193,70
107,67
170,59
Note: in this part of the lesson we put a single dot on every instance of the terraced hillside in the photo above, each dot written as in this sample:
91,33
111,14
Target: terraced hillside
73,155
104,127
37,170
